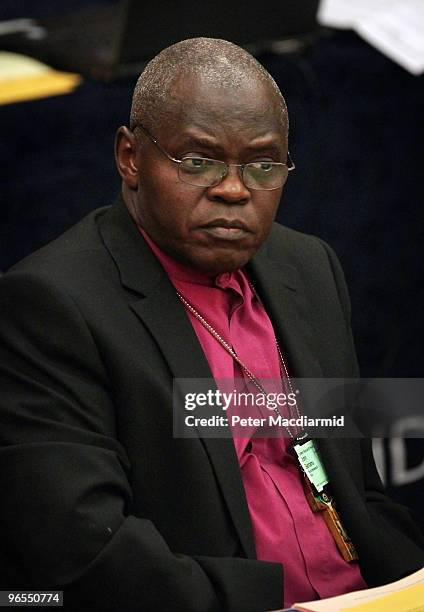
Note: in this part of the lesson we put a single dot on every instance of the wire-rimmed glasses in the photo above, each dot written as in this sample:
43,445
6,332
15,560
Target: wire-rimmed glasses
204,172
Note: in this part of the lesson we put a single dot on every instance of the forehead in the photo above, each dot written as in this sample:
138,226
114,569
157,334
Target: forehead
253,107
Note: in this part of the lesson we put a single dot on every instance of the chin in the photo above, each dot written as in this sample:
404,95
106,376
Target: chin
220,263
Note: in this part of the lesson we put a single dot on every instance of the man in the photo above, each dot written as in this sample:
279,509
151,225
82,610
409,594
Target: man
99,498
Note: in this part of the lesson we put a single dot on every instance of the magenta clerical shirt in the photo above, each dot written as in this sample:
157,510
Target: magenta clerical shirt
285,529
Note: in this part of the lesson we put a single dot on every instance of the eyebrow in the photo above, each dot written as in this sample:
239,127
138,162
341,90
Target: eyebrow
272,147
199,141
211,143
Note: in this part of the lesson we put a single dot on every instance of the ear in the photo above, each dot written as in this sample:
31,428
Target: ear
126,156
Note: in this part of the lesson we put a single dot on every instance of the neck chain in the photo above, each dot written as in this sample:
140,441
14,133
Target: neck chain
318,495
243,366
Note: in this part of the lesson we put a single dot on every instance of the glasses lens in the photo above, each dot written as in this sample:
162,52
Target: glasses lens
201,172
265,175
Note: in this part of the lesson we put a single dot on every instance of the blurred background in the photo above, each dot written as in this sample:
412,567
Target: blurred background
352,81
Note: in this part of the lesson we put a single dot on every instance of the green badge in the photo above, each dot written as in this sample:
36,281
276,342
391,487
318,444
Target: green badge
311,463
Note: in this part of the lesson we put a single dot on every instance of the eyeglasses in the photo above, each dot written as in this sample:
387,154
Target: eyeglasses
205,172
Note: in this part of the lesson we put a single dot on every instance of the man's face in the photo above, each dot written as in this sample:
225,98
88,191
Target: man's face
218,228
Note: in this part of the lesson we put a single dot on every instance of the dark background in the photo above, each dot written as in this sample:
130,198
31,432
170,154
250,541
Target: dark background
355,119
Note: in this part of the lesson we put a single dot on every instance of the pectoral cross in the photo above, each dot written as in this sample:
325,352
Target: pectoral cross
317,490
323,502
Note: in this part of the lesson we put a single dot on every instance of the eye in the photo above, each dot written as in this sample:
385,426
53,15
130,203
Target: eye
262,166
196,164
266,166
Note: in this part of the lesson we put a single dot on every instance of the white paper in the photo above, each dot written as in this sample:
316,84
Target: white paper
345,13
395,27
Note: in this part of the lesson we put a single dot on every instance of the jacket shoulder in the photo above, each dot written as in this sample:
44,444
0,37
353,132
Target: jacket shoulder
81,237
293,244
309,254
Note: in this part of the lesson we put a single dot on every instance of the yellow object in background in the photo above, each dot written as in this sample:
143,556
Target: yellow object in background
24,78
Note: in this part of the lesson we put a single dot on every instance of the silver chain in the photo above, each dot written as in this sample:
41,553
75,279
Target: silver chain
236,358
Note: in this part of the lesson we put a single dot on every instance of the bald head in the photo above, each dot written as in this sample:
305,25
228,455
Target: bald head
216,63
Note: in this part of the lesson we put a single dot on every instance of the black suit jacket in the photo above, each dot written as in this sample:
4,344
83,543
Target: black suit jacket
98,498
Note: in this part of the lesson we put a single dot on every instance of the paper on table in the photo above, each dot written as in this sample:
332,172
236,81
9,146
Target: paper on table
407,600
405,595
395,27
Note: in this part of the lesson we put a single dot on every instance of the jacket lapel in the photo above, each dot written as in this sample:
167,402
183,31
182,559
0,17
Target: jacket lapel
172,332
280,290
284,299
160,310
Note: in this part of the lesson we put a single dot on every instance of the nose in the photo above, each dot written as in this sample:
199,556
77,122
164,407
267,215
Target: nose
231,189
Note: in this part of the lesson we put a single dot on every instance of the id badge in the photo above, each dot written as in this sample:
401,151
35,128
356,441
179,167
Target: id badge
310,461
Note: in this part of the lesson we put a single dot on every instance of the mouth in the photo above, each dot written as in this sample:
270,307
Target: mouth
227,229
